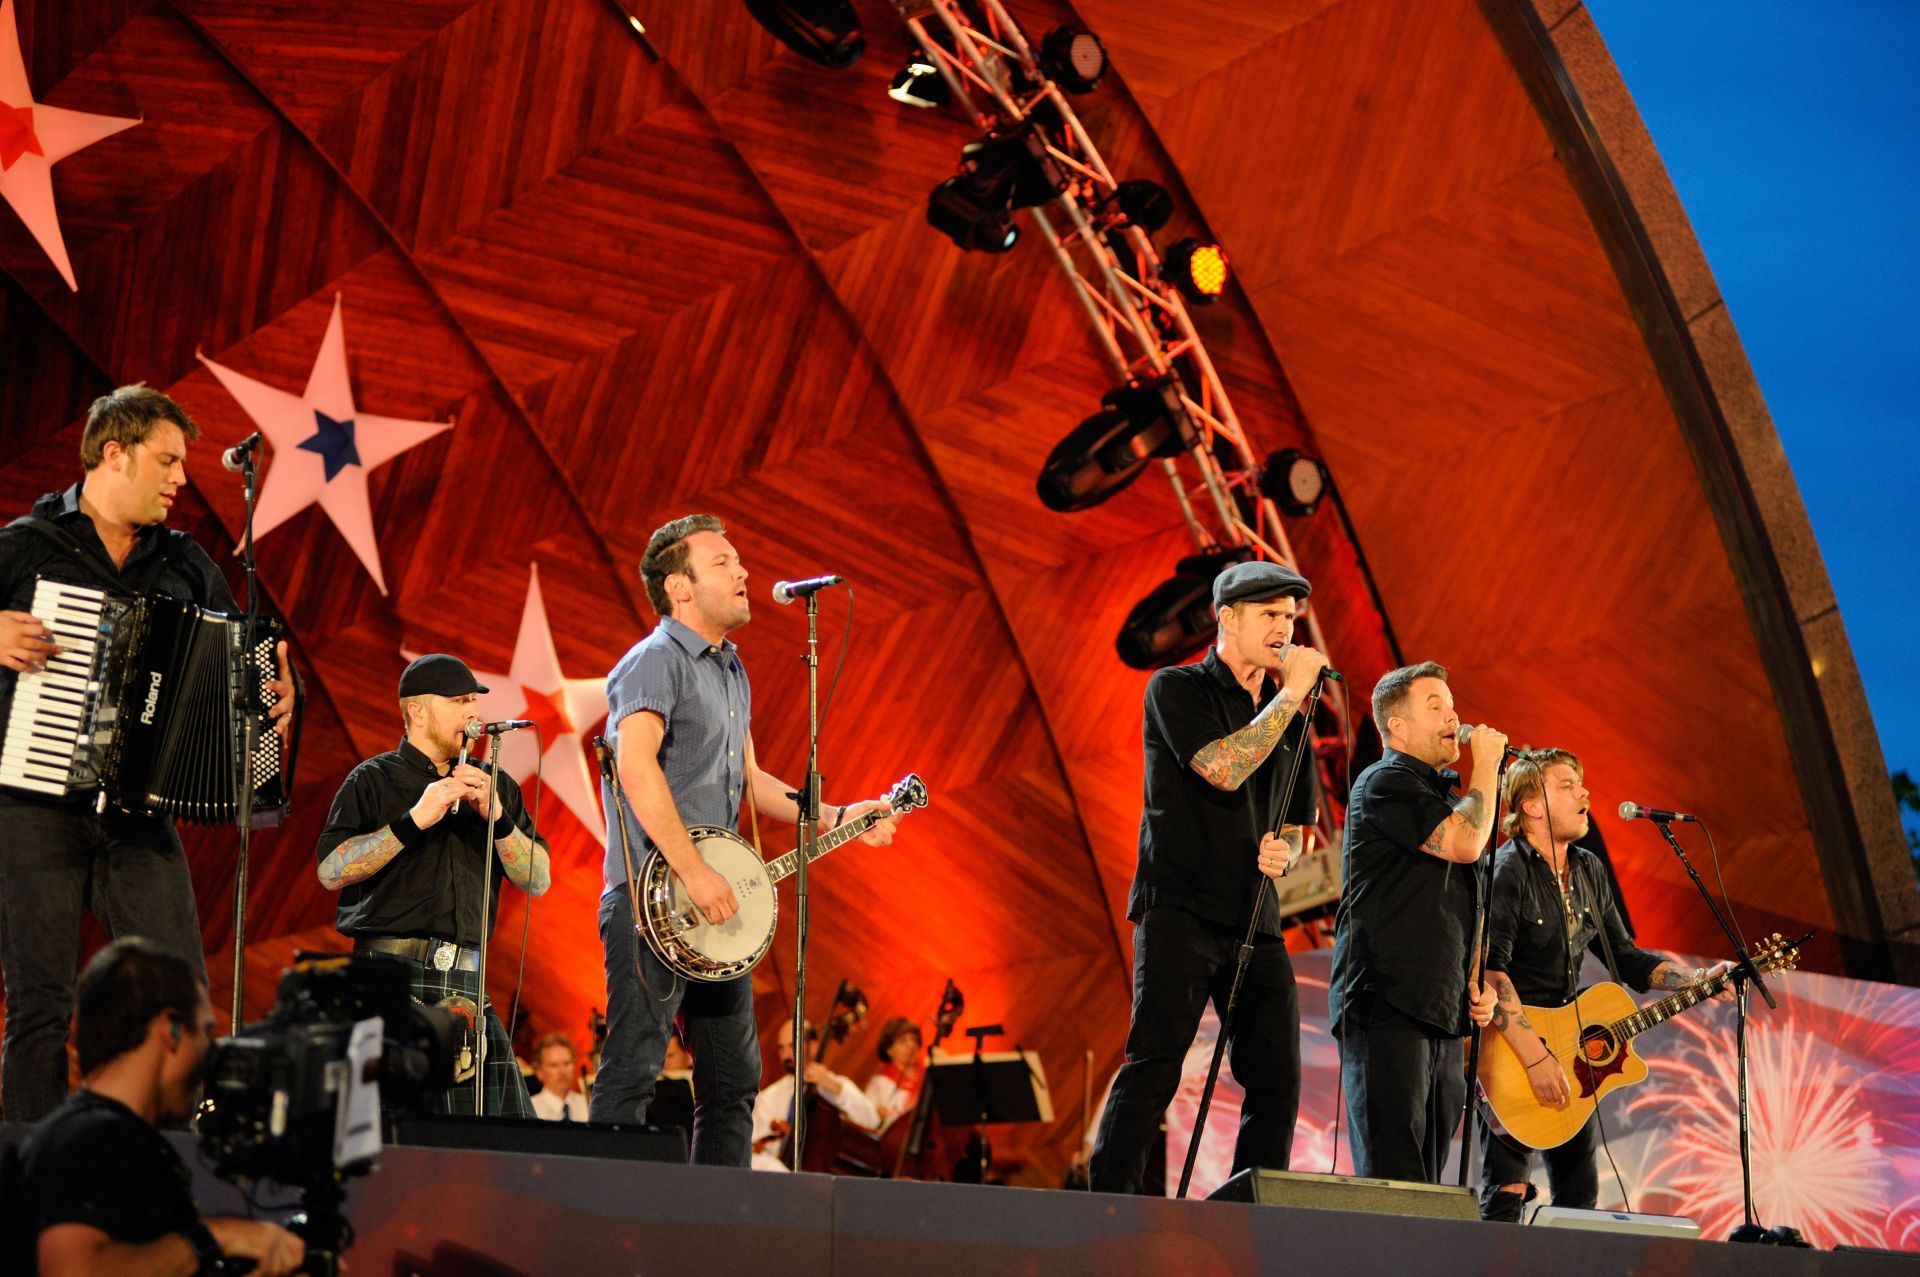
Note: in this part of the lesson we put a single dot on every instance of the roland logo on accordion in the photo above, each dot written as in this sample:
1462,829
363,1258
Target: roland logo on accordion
153,699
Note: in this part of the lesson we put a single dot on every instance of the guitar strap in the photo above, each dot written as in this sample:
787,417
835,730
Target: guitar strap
753,812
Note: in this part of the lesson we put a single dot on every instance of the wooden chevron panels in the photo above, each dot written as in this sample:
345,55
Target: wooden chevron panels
694,273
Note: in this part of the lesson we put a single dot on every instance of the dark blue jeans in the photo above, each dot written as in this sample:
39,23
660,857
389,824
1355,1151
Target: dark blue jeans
1179,961
56,860
720,1035
1572,1173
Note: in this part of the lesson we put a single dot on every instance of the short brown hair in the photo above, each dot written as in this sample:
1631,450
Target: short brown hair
551,1040
1391,693
1527,780
124,986
126,416
667,554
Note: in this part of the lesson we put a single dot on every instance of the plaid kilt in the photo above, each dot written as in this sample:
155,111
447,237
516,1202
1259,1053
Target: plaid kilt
506,1089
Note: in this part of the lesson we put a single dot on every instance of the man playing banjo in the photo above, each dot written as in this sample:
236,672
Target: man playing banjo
680,709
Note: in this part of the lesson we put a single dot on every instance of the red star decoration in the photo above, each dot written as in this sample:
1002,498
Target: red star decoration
17,137
549,711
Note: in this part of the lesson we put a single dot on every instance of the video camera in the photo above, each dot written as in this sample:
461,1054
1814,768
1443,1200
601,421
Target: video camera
275,1090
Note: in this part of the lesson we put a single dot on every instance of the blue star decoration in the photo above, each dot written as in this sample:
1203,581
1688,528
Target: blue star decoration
334,442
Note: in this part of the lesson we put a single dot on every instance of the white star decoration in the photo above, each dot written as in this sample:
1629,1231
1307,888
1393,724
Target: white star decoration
567,709
33,138
323,447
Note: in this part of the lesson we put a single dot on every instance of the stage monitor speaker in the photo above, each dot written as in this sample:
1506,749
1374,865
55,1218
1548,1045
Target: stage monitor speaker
549,1139
1616,1221
1348,1192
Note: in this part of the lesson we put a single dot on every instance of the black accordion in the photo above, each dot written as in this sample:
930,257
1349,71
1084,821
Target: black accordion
146,707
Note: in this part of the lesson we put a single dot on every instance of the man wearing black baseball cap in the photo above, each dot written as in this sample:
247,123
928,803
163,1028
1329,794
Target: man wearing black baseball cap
1221,739
405,846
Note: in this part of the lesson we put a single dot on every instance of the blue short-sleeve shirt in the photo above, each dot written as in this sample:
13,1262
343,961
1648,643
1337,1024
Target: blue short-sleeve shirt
700,691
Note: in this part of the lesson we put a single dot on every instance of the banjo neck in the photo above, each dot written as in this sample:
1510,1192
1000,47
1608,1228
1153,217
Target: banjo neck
782,867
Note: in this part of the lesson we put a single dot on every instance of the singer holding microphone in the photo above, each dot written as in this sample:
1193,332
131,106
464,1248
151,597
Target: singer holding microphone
1399,999
1221,739
405,846
679,710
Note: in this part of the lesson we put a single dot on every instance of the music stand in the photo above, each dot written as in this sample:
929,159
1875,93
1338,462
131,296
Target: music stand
989,1088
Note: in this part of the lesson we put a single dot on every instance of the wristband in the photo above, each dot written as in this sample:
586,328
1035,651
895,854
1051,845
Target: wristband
503,828
205,1248
409,833
839,816
1542,1060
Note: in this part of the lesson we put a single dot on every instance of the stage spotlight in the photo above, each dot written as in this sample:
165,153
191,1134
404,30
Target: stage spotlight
1198,270
1295,481
959,211
823,31
1175,620
919,83
1142,202
1017,162
1107,451
1073,59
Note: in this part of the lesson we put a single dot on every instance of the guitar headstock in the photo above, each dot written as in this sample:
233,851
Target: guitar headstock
907,794
1778,954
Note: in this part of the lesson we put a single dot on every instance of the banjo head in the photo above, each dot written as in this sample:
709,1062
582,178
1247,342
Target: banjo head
704,951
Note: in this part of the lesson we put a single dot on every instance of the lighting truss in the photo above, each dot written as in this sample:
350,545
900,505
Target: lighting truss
994,76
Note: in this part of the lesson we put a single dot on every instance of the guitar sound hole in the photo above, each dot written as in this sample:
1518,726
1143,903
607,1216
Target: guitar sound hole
1597,1046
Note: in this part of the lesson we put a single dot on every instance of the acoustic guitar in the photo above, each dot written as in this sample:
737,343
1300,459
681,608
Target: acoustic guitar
1592,1038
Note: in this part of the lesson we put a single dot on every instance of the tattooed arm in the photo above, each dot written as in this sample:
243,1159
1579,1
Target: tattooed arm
1463,835
525,861
1226,763
358,858
1544,1073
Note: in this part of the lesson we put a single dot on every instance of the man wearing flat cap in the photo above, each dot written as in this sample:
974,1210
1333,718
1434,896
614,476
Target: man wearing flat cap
405,846
1221,739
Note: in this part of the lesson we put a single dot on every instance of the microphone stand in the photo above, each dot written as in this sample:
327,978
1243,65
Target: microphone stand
1244,954
809,797
1743,974
1477,970
244,728
486,934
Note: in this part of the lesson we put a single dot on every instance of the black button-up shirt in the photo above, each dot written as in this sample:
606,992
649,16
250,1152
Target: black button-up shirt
1199,845
163,561
1405,923
1527,926
432,889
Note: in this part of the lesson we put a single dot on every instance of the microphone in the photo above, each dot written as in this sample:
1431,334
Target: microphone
1634,811
785,592
1466,739
235,458
474,731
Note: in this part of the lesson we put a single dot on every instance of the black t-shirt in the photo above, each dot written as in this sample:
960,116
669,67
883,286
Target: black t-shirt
432,889
1198,844
93,1161
1527,927
1405,923
163,561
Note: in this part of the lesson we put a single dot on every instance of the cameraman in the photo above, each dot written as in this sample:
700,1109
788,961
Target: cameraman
104,1190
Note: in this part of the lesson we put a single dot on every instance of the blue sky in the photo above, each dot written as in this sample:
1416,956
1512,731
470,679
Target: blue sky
1789,129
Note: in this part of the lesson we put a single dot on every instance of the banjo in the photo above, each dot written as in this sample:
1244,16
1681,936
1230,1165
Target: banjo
687,943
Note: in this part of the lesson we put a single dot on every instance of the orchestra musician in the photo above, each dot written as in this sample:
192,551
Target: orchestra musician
680,709
106,532
1221,739
405,846
896,1087
1398,999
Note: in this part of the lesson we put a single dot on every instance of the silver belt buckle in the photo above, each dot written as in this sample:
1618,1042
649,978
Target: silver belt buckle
444,955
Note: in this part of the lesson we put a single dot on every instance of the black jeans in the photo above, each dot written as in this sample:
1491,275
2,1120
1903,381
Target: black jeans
1572,1173
1179,961
1406,1086
129,871
720,1034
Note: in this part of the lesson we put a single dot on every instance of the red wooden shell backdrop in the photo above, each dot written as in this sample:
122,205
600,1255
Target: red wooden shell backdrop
702,280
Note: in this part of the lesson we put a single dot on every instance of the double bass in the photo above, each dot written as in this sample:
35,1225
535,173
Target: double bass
824,1124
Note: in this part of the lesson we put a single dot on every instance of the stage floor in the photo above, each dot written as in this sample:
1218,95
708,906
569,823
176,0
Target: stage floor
429,1212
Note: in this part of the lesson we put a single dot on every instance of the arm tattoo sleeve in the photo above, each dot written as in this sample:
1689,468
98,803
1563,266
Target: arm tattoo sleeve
1668,976
1472,808
358,859
526,867
1227,762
